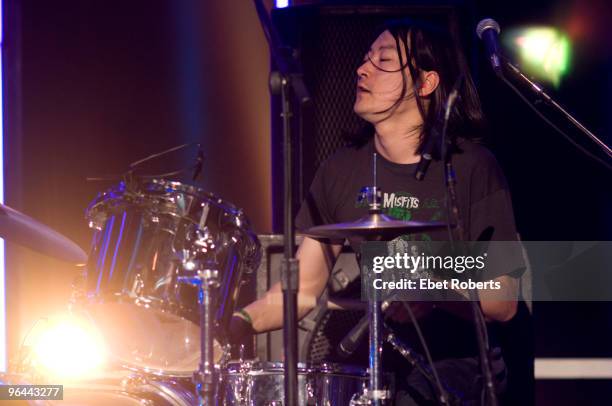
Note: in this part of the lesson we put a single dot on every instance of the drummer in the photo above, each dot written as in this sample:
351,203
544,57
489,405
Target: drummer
402,84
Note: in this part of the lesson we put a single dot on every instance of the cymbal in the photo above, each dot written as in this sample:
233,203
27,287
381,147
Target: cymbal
23,230
373,225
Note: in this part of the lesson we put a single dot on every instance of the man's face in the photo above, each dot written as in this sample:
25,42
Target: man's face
379,81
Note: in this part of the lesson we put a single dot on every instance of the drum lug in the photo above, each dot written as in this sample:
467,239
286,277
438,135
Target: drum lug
210,276
242,393
361,399
311,396
225,356
138,285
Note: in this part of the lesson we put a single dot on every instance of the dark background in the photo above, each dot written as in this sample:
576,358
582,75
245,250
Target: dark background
95,85
558,193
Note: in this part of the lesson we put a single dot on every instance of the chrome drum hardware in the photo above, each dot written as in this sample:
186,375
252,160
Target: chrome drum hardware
148,236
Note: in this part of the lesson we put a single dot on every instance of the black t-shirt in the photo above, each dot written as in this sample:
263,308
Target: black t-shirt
483,200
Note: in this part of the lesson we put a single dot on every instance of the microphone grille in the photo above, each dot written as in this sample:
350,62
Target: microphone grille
486,24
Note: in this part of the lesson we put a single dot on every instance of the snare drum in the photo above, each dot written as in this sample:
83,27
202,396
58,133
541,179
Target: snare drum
262,384
146,237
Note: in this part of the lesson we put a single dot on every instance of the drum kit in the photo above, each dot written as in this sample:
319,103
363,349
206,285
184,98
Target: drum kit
161,283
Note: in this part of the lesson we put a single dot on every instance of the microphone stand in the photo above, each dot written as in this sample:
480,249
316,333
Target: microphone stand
287,81
479,323
451,180
545,98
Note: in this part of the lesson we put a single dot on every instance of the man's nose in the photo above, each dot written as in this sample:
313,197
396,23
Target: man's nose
362,70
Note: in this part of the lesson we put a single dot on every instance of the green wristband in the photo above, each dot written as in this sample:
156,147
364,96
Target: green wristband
244,316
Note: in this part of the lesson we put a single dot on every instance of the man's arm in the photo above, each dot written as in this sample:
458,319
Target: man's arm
497,305
315,259
500,305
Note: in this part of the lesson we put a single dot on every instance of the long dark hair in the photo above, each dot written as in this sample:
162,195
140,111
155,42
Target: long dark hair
431,48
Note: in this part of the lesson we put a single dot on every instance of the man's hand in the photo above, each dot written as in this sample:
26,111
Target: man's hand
316,259
239,328
500,305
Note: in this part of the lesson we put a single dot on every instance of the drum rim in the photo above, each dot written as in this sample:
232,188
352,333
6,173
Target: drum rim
117,194
328,368
162,373
118,191
239,219
166,390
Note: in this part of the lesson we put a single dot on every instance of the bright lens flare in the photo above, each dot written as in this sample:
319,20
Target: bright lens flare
69,348
544,52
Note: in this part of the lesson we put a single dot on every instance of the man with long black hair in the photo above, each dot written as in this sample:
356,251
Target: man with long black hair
402,86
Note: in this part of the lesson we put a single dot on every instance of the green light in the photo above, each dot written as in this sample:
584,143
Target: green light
544,52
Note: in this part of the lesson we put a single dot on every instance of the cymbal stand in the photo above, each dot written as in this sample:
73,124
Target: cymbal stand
377,395
287,81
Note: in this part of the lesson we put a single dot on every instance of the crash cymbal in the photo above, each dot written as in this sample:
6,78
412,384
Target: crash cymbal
373,225
20,229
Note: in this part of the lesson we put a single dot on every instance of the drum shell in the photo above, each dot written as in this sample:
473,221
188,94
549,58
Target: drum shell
148,240
143,239
262,383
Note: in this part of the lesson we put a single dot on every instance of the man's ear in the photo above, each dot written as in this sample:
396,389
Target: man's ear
429,82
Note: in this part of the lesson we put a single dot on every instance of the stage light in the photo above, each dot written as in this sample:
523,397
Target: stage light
544,52
68,348
282,3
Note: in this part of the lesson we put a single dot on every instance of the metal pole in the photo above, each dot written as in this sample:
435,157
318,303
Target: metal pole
289,270
376,393
205,376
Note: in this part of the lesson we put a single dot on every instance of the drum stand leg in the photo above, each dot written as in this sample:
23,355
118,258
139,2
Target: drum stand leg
205,377
378,396
374,394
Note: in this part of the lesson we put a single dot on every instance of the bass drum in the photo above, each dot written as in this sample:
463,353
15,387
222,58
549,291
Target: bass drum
262,384
147,236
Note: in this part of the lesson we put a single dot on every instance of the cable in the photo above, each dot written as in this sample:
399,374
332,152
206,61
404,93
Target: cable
446,198
158,154
441,390
196,168
550,123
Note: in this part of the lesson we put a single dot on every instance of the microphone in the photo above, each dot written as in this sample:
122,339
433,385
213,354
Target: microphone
488,30
434,139
351,341
427,154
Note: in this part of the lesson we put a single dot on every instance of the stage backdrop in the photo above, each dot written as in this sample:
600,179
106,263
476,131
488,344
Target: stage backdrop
104,83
